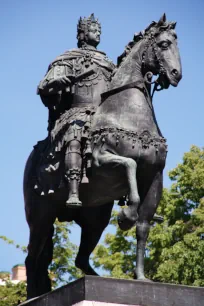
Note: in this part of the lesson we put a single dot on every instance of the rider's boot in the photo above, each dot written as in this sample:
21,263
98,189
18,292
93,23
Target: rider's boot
73,163
74,178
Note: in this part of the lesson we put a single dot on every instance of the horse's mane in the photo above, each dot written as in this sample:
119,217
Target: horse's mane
154,28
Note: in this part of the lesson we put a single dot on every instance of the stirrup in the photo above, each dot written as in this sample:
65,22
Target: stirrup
73,201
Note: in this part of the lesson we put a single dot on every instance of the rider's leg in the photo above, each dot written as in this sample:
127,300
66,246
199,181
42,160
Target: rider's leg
73,162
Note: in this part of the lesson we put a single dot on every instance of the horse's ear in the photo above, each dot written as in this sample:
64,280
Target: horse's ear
173,25
162,20
138,36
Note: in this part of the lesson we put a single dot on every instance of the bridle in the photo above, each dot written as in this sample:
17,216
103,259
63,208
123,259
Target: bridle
162,71
140,84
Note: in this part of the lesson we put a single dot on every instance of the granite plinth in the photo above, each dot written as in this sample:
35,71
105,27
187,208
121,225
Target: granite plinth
99,291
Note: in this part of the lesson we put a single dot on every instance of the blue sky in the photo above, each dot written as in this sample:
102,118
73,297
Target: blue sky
33,33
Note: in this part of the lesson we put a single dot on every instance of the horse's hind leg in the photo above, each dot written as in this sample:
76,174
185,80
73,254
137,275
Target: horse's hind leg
93,221
128,216
40,251
146,212
40,248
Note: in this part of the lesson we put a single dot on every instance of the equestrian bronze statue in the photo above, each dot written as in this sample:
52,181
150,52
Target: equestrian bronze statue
103,144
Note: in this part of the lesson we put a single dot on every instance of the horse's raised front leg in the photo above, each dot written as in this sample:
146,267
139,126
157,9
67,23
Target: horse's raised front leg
146,212
93,221
128,216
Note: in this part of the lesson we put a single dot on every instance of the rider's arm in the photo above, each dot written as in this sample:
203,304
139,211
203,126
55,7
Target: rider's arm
56,80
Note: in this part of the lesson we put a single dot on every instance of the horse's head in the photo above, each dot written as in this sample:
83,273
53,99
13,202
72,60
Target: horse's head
160,53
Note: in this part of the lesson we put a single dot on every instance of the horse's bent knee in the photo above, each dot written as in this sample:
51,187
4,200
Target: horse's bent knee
130,163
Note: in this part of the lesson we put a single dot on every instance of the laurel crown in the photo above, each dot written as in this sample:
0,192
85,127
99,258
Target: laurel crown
85,23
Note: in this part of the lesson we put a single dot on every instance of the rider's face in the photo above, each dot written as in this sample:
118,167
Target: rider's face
94,35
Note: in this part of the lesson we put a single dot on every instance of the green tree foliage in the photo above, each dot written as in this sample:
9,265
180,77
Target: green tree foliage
12,294
175,248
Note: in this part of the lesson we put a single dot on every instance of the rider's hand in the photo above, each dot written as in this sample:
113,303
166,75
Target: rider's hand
63,81
56,85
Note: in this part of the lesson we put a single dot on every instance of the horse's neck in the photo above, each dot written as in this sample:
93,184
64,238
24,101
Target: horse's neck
132,103
130,69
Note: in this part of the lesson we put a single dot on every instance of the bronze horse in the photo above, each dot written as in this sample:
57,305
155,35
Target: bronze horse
129,154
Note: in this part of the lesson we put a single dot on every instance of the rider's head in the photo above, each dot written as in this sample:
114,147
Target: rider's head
88,31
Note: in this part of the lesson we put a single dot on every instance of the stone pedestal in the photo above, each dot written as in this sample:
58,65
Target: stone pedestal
99,291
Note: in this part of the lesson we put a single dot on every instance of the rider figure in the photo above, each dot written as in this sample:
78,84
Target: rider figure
71,90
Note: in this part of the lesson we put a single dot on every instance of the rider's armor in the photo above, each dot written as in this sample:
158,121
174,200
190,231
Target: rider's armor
71,108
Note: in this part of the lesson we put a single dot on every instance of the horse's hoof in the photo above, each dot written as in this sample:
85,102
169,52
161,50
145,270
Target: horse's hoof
124,222
85,268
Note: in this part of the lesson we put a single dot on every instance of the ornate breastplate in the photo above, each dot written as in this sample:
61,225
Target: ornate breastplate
89,84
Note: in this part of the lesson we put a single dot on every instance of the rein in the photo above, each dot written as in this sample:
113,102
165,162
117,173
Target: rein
136,84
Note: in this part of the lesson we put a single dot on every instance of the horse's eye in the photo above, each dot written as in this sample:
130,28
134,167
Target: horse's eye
164,44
